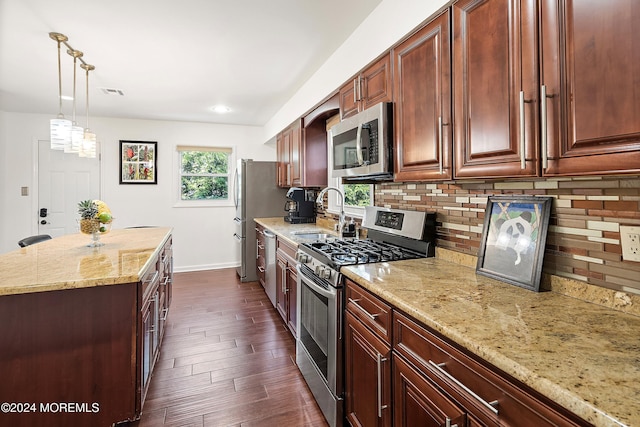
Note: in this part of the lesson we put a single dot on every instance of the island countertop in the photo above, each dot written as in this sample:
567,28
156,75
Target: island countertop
66,262
582,355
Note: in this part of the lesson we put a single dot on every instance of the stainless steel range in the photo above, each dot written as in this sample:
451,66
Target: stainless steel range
392,235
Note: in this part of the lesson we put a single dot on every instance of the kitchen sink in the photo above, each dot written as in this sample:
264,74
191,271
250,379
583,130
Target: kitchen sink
312,235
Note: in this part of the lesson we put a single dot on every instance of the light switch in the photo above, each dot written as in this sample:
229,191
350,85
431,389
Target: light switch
24,191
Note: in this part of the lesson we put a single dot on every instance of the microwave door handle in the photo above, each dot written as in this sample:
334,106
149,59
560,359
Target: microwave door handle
359,145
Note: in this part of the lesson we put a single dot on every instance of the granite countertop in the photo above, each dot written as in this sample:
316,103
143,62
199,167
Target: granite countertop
66,262
584,356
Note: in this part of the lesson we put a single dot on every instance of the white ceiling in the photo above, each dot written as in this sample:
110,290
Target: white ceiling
172,59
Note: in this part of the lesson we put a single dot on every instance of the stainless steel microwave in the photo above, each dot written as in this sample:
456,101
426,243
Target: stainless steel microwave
362,145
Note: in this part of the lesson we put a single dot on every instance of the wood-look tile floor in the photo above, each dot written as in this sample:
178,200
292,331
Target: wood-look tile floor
227,359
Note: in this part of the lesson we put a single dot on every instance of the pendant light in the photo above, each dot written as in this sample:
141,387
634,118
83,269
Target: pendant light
88,146
59,128
77,132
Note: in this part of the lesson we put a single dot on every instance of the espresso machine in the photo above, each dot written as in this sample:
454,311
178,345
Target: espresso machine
300,210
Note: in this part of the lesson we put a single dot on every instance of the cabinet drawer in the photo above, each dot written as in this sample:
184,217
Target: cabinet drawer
419,402
286,248
492,396
370,310
150,280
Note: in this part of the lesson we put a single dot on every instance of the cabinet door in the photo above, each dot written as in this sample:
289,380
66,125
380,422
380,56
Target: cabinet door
590,67
367,376
282,153
295,154
281,283
349,99
292,293
419,402
422,93
376,83
146,363
495,88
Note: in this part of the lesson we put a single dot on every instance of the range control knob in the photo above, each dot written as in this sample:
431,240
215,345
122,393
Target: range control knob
325,273
302,257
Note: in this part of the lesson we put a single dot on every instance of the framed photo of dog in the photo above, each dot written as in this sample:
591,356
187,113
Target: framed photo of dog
514,238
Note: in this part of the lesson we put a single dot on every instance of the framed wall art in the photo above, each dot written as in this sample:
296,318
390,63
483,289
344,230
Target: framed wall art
138,162
513,239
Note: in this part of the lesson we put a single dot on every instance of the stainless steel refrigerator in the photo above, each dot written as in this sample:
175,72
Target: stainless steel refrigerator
256,196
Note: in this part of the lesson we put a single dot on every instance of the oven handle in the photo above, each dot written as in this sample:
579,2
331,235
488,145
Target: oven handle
322,291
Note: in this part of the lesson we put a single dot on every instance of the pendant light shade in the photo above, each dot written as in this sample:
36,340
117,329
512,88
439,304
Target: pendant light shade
89,144
59,128
77,132
60,133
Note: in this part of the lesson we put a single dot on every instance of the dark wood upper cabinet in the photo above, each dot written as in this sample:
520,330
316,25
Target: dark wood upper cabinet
422,103
288,147
548,90
371,86
590,70
495,88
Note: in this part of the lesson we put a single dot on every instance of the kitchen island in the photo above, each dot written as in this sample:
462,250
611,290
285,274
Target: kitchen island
82,326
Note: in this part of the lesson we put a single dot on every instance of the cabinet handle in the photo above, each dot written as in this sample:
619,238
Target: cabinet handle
440,146
261,269
153,279
448,423
543,125
380,405
522,140
369,315
355,91
492,406
165,312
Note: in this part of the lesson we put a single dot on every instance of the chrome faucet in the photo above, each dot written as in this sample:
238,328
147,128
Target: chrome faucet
341,219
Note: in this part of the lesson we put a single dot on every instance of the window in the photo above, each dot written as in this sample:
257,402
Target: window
204,175
356,197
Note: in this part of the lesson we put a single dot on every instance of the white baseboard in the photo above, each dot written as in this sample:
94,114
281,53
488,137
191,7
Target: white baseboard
184,269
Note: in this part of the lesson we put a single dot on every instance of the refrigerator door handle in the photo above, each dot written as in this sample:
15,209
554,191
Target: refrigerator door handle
235,189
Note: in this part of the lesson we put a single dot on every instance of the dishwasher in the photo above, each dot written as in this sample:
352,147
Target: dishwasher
270,259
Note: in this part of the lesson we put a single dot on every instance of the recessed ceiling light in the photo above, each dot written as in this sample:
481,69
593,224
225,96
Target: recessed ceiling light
220,109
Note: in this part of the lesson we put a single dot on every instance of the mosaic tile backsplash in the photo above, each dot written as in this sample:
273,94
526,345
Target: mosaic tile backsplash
583,242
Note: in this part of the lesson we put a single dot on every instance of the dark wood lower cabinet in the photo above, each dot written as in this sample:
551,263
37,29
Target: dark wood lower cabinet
419,402
67,358
368,382
286,285
434,381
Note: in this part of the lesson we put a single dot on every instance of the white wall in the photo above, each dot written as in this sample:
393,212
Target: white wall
386,25
202,236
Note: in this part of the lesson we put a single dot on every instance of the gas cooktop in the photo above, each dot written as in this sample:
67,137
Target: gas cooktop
337,253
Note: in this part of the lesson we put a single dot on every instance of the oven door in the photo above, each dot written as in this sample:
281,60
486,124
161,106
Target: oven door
319,345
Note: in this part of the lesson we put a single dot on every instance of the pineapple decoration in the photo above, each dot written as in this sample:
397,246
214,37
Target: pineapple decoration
95,219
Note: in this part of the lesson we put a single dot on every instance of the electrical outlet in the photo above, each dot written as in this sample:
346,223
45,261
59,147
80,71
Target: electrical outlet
630,242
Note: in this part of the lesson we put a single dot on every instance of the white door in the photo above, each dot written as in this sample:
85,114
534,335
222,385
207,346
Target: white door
63,181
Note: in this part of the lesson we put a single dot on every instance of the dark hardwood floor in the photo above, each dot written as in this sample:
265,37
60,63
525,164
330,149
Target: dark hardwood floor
227,359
